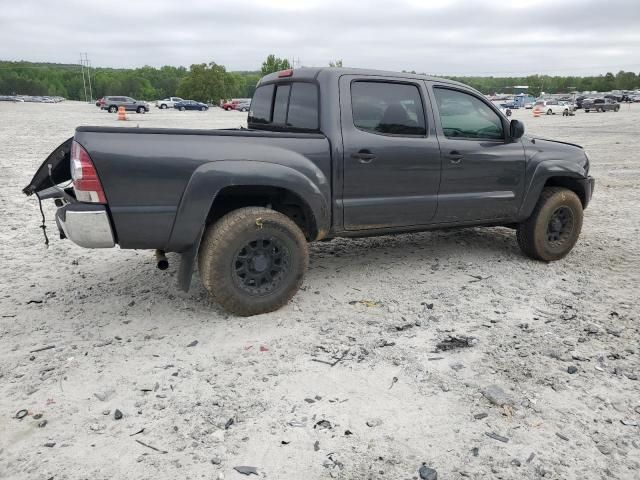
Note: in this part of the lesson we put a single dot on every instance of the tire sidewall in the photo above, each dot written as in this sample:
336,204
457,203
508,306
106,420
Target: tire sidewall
562,198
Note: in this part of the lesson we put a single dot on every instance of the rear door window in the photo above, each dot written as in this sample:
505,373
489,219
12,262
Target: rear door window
285,106
387,108
303,106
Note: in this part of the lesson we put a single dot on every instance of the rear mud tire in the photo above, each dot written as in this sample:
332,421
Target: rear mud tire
253,260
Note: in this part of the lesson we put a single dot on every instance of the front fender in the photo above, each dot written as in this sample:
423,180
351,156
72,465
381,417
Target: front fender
541,173
208,179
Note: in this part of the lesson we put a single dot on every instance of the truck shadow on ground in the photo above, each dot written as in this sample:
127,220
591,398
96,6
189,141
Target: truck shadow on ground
138,279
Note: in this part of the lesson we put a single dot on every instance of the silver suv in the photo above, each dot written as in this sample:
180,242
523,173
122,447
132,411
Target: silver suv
243,105
111,104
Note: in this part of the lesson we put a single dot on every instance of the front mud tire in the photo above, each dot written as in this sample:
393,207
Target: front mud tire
253,260
553,228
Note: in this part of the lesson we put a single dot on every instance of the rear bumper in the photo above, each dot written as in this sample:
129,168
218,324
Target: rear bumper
85,225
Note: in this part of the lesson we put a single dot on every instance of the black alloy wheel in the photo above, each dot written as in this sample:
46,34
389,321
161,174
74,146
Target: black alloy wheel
560,226
260,265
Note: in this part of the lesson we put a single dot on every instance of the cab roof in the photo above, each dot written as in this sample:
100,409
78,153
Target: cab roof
312,73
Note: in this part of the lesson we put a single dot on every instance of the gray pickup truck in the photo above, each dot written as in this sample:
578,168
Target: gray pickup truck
329,152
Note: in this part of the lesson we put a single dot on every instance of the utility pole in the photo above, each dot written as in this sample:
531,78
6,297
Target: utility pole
86,64
89,76
84,83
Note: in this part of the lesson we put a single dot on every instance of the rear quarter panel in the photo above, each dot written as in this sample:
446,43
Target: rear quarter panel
145,173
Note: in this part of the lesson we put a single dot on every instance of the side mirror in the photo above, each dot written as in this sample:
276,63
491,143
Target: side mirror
516,129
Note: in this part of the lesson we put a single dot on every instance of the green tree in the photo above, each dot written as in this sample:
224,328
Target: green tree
274,64
337,63
205,83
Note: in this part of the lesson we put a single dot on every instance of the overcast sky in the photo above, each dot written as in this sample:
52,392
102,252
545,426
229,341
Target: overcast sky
434,36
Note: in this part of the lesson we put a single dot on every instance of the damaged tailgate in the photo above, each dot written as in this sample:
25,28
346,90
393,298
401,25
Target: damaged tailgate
54,170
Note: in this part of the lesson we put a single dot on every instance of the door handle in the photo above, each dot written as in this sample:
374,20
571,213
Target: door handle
455,156
363,156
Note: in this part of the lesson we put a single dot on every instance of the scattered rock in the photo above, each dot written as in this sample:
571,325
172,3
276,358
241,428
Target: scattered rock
572,369
228,423
562,437
406,326
480,416
593,329
374,422
104,395
117,414
497,395
50,444
323,424
454,342
515,462
309,400
316,446
193,344
427,473
495,436
246,470
604,448
216,460
42,423
475,451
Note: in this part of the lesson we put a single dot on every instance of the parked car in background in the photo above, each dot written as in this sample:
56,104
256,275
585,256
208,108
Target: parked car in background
529,105
111,104
243,106
10,98
553,107
571,108
504,108
168,102
579,100
233,103
190,105
230,105
600,104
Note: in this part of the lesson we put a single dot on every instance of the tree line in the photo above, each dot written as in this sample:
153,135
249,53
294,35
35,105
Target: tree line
211,82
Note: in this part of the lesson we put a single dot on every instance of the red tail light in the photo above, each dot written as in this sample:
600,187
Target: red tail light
285,73
85,178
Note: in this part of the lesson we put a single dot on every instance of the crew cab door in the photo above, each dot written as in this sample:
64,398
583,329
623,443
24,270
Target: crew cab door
391,159
482,168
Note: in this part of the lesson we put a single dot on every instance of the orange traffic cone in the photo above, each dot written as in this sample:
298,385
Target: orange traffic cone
536,112
121,113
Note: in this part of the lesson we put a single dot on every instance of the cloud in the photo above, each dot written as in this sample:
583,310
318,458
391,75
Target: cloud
437,36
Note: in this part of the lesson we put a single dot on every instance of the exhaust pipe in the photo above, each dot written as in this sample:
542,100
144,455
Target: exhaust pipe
161,260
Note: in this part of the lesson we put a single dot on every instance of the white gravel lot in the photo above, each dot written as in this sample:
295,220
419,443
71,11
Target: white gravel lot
121,333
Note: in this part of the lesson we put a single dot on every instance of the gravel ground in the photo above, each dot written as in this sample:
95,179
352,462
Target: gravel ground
345,382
